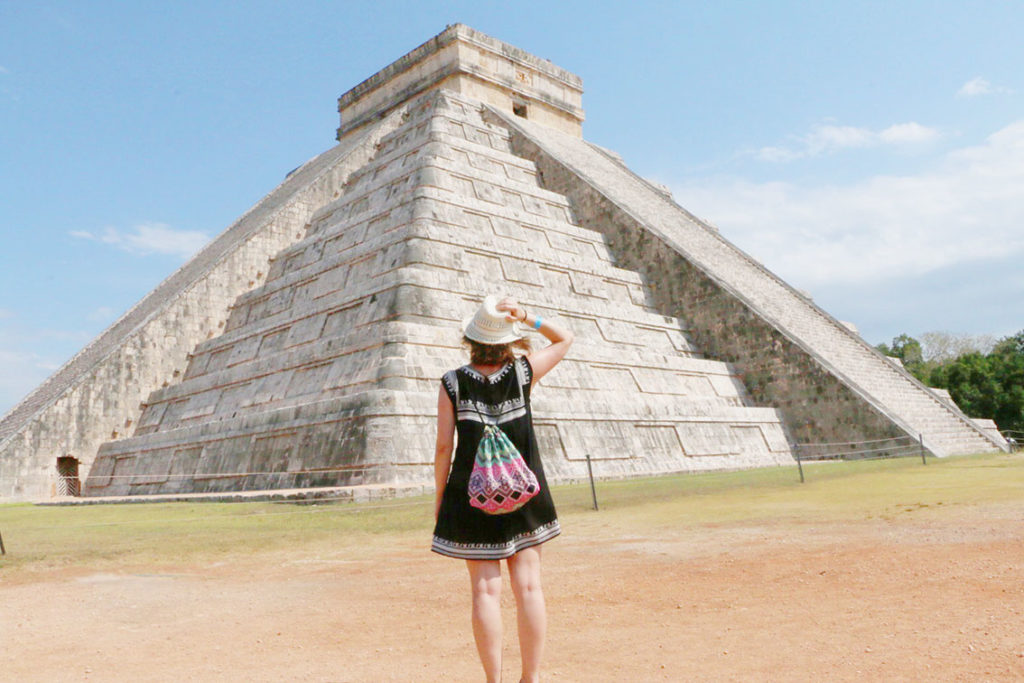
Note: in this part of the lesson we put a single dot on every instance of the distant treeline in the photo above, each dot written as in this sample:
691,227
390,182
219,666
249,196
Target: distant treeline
984,376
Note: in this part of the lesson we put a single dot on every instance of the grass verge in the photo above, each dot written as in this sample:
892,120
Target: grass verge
109,536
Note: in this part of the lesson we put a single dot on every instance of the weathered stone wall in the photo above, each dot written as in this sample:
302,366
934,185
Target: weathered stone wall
776,372
97,395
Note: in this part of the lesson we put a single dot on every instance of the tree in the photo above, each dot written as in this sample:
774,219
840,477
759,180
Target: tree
989,385
1013,346
939,347
984,377
907,349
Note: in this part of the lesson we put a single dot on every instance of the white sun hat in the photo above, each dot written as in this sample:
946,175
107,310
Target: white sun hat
491,326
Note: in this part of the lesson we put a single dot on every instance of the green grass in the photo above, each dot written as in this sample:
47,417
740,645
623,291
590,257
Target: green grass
40,538
46,537
834,491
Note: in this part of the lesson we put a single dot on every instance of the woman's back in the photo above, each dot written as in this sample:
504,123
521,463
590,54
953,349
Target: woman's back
501,398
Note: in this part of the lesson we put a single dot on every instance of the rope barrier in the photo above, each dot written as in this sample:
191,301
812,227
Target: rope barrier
857,443
895,447
910,448
861,458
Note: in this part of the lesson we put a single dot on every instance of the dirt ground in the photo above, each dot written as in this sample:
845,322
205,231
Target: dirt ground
925,595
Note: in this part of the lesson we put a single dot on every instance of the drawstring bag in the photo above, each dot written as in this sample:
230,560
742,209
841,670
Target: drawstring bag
500,481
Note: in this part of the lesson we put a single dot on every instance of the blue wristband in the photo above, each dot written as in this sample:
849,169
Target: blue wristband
536,325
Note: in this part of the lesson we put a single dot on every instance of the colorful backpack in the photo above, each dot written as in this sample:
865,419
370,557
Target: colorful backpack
500,481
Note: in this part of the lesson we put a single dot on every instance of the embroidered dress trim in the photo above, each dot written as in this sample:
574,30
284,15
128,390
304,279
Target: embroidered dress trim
476,411
451,384
496,551
493,378
492,414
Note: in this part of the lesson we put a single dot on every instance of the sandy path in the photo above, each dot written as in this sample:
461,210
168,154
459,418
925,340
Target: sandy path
935,596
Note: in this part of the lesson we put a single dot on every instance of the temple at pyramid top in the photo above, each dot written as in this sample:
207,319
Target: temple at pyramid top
465,61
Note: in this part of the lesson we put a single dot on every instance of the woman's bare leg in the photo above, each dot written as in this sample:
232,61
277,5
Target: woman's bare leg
531,614
485,577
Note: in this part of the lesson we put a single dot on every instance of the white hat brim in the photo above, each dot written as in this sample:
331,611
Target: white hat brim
517,332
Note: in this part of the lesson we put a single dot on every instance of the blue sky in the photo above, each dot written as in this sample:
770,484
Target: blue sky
871,153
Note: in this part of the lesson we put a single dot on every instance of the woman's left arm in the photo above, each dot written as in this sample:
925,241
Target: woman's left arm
444,447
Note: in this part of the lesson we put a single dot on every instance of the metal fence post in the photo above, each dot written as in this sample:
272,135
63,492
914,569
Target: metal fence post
796,448
590,472
920,440
2,550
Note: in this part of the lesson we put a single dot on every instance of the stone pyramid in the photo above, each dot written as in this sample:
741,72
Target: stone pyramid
328,373
303,347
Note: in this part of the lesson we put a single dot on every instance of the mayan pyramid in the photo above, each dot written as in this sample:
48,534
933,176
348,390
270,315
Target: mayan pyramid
303,346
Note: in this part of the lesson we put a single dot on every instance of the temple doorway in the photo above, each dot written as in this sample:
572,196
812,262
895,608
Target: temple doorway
67,477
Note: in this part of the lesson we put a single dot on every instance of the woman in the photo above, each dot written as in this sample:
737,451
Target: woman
495,389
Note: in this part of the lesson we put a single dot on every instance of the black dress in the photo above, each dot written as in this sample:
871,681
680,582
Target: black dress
502,398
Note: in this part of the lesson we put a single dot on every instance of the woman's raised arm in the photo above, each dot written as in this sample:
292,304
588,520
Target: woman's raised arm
561,339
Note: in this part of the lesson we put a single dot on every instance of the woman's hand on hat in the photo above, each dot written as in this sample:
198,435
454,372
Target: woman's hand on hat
515,312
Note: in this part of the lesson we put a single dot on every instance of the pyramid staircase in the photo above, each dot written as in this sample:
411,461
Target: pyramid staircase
599,184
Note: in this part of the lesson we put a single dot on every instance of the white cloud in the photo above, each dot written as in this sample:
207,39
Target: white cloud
980,86
150,238
777,154
967,210
829,138
908,133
